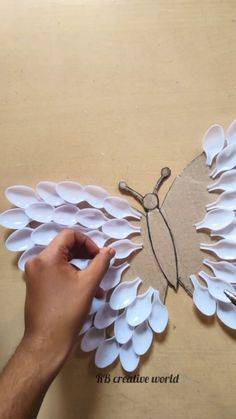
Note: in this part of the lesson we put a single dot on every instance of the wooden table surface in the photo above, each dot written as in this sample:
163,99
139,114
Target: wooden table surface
103,90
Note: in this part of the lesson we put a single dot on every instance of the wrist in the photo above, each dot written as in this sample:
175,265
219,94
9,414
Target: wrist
47,360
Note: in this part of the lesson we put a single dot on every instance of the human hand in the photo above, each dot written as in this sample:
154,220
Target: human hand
58,296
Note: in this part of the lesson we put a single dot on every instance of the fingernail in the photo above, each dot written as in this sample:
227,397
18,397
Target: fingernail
112,252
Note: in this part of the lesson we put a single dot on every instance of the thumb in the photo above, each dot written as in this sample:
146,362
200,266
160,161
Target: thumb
98,267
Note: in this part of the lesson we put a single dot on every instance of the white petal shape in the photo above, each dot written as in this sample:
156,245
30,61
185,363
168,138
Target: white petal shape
107,353
124,294
91,218
227,182
119,229
113,276
92,339
128,357
20,240
28,254
231,133
142,338
140,309
213,142
65,215
71,192
14,219
21,196
47,191
202,299
40,212
45,233
228,232
97,303
158,318
124,248
222,270
227,201
226,160
120,208
95,195
224,249
87,324
216,219
122,330
216,287
80,263
98,237
227,314
105,316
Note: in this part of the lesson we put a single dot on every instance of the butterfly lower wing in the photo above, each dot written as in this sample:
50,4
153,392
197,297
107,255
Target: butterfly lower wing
145,265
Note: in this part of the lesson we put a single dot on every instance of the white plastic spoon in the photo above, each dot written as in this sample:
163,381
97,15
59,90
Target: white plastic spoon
105,316
119,229
98,237
226,160
45,233
202,299
20,240
224,249
40,212
87,324
120,208
128,357
124,294
107,353
216,220
113,276
122,330
92,339
228,232
227,314
96,304
140,309
80,263
71,192
92,218
124,248
142,338
47,191
227,201
95,195
213,142
158,318
28,254
21,196
227,182
65,215
14,219
223,270
216,287
231,133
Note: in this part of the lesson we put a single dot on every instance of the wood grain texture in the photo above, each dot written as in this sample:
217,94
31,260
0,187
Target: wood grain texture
99,91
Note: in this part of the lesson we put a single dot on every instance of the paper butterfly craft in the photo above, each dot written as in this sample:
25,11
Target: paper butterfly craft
121,325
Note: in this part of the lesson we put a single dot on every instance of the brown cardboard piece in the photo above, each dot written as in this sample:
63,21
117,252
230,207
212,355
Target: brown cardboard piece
184,206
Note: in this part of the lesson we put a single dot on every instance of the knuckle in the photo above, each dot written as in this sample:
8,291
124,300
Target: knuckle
32,264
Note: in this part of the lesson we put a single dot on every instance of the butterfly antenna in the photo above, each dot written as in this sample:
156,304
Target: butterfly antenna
165,173
125,188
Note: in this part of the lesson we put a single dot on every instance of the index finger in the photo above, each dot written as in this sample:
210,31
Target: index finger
69,244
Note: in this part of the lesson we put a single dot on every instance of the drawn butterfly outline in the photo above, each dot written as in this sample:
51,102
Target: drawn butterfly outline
121,325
